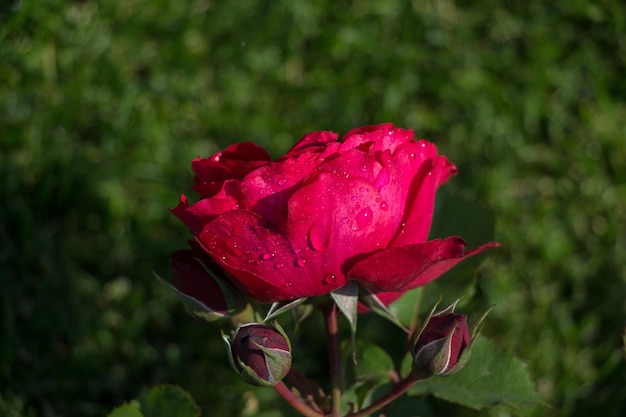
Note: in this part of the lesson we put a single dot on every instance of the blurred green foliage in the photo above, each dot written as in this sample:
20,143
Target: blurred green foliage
104,103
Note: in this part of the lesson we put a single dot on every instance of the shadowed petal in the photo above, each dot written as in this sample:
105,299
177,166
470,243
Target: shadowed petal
408,267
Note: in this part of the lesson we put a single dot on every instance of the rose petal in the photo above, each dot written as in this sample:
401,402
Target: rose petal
264,262
420,203
205,210
191,278
343,216
314,142
408,267
384,136
234,162
266,191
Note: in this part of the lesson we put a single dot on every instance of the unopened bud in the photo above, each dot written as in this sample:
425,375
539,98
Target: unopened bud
439,349
260,353
203,287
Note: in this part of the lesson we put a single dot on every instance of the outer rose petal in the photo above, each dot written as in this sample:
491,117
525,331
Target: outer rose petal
315,142
200,213
266,191
342,215
191,278
408,267
263,262
384,136
421,199
234,162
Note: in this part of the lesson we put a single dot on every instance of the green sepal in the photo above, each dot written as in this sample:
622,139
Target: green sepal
418,331
278,308
229,351
436,354
347,299
465,356
373,302
233,299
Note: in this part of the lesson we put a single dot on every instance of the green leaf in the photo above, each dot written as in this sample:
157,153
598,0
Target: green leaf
372,362
168,401
131,409
371,369
492,376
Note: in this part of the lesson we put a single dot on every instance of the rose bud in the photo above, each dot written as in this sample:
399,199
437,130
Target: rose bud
440,346
260,353
203,288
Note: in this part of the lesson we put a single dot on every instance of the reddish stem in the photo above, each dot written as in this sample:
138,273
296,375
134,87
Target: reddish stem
332,334
294,401
395,392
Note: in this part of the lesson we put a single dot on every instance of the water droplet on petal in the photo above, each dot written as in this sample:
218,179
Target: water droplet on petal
361,189
383,205
301,262
344,220
287,284
363,168
364,218
329,278
318,236
354,198
282,181
268,256
279,266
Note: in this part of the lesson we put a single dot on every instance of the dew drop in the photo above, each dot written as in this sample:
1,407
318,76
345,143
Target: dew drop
278,266
361,189
318,236
301,262
363,168
383,205
329,278
344,220
287,284
268,256
354,198
282,181
364,218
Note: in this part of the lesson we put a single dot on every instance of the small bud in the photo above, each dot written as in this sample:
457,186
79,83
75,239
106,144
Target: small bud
440,345
202,286
260,353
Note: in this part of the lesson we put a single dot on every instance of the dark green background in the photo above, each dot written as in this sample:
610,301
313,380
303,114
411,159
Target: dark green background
104,103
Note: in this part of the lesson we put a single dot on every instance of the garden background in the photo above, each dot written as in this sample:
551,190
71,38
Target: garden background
104,103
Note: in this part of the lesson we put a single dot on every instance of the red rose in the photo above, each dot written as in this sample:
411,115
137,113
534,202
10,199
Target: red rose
326,212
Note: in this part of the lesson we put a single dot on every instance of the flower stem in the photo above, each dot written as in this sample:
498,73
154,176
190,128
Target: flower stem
332,333
294,401
395,392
